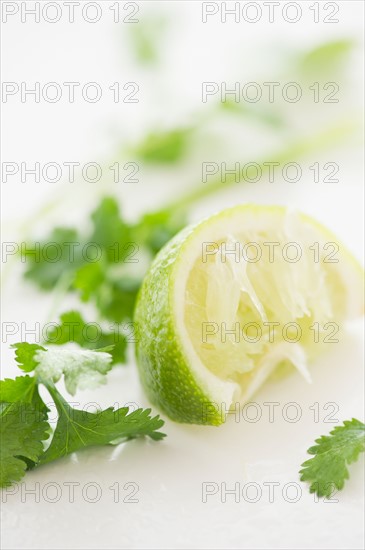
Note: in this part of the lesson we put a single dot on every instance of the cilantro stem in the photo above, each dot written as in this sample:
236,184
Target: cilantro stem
321,141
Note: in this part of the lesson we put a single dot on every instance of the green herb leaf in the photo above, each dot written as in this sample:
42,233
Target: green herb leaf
155,229
81,368
53,257
24,355
73,328
22,389
109,232
22,430
164,147
328,468
78,429
106,266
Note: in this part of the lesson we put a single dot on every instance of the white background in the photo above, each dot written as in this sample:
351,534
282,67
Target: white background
170,512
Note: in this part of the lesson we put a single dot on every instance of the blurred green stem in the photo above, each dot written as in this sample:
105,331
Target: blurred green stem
318,143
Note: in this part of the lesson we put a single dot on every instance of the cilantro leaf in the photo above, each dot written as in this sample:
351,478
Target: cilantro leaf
95,265
110,232
73,328
89,279
117,300
53,257
155,229
77,429
22,430
81,368
164,147
333,452
22,389
106,266
114,296
24,355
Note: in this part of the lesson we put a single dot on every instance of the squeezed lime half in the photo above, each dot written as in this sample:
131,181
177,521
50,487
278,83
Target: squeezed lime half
251,291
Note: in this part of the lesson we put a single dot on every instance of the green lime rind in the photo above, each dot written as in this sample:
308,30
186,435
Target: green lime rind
165,376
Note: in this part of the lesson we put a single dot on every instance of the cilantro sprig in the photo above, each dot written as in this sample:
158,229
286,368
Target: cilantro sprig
328,468
24,425
106,264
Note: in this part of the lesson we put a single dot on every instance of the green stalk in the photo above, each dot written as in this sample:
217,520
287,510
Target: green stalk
301,148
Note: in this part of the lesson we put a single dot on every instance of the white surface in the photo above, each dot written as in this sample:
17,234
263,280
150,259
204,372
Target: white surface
170,512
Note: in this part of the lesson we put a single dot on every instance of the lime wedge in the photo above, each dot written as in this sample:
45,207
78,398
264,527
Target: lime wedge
247,293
